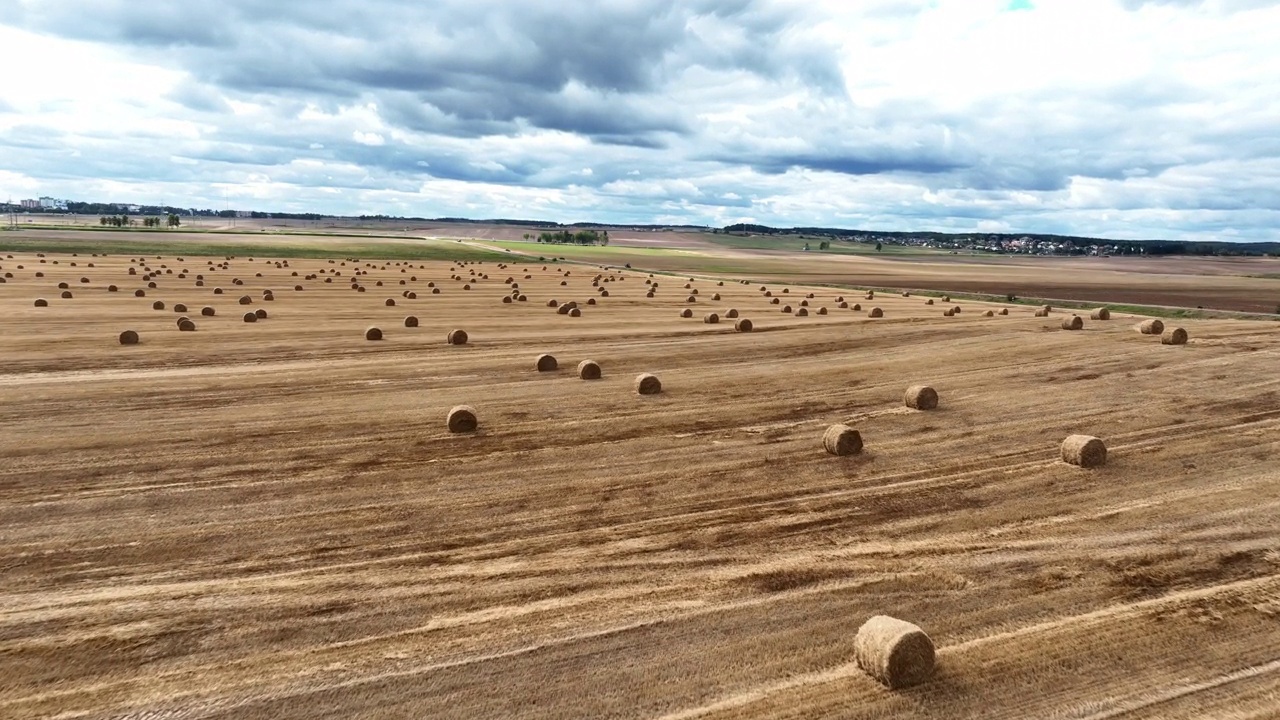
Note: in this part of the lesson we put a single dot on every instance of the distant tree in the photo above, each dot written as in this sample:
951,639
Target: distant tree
174,220
604,239
878,246
824,245
806,247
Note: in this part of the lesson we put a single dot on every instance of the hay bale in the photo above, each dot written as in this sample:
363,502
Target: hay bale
217,291
1174,336
575,312
1084,450
822,311
948,312
1152,326
546,363
251,317
462,419
857,307
411,321
63,286
647,384
895,652
245,300
1004,311
129,337
804,303
921,397
112,288
1075,322
711,319
262,314
139,293
691,299
207,311
842,440
1100,314
591,301
457,337
564,309
506,299
989,313
157,305
716,296
774,301
875,312
1041,312
802,312
956,309
66,295
179,308
786,308
553,303
742,325
731,313
373,334
589,370
946,298
185,325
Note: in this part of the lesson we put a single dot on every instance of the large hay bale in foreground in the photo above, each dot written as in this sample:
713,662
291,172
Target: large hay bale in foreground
262,314
546,363
185,325
575,312
731,313
1075,322
894,652
1100,314
648,384
411,321
373,334
462,419
1152,326
686,313
1174,336
875,312
921,397
842,440
251,317
711,319
129,337
589,370
1084,450
457,337
742,325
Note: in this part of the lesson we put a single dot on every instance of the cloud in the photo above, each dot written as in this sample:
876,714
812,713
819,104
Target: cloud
1121,117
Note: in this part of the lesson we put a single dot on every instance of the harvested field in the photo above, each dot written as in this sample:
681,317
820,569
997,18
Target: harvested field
272,519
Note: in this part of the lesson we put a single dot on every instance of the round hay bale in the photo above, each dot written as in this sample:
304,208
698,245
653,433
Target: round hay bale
1100,314
207,311
1174,336
457,337
1075,322
802,312
179,308
989,313
129,337
245,300
921,397
297,288
262,314
804,303
251,317
139,293
411,321
66,295
185,325
575,312
591,301
929,301
1041,312
716,296
822,311
742,325
564,309
217,291
157,305
112,288
506,299
842,305
647,384
1004,311
649,294
546,363
731,313
775,301
435,291
589,370
462,419
857,307
63,286
691,299
412,295
686,313
391,302
1084,450
769,293
711,318
842,440
894,652
786,308
948,312
946,298
604,293
553,303
875,312
1152,326
956,309
373,333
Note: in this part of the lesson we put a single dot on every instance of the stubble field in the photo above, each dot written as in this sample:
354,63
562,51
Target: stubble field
270,519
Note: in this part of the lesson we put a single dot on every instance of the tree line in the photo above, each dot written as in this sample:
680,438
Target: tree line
125,221
569,237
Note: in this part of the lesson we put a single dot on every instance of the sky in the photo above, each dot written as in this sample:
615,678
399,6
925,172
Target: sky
1127,119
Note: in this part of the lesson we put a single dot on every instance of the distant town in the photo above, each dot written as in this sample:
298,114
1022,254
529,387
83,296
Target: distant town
816,239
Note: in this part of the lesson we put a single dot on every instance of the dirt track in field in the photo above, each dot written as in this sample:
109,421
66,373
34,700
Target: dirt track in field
269,519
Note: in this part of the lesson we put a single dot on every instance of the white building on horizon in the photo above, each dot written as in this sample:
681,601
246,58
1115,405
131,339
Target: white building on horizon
48,203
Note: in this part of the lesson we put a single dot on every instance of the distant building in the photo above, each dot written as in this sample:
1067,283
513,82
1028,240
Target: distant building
30,204
48,203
